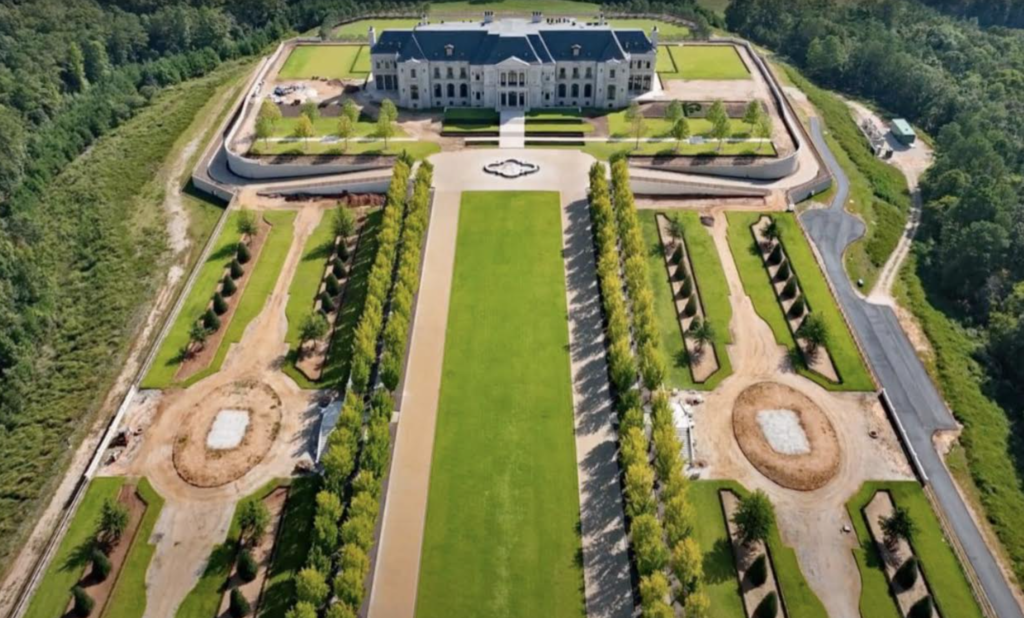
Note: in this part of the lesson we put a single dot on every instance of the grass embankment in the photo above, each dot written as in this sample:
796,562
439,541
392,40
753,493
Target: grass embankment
502,522
326,61
988,467
324,126
714,295
800,598
715,62
358,30
204,599
69,562
98,245
292,547
128,598
850,367
949,586
667,31
418,150
878,191
605,150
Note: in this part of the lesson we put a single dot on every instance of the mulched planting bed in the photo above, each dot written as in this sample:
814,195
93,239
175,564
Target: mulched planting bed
895,557
745,556
262,553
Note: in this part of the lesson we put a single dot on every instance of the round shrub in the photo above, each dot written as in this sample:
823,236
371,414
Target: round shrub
921,609
390,370
768,607
776,255
782,273
211,321
758,571
244,255
239,605
338,268
906,575
677,255
691,307
789,291
687,290
247,567
220,306
100,565
798,307
681,274
341,250
83,602
326,302
236,269
331,285
227,287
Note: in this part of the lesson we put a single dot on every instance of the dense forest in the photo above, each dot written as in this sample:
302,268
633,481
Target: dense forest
964,84
987,12
76,265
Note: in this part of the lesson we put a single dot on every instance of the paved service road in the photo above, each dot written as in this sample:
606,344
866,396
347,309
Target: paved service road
917,403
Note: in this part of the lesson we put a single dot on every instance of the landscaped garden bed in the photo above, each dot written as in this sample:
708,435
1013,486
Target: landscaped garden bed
901,566
762,596
808,329
692,318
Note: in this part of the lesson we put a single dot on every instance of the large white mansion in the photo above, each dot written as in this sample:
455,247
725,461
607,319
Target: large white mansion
513,64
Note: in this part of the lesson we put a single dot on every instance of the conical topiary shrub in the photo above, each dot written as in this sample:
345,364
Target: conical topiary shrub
798,307
331,285
906,575
775,256
219,304
687,288
338,268
239,605
236,269
211,321
247,567
768,607
243,253
326,303
100,564
691,307
921,609
227,286
83,602
681,274
677,255
789,291
342,250
758,571
782,273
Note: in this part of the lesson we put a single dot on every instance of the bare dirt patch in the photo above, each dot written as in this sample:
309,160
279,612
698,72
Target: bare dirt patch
800,471
202,466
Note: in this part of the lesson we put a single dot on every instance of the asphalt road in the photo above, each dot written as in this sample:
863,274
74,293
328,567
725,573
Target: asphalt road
917,403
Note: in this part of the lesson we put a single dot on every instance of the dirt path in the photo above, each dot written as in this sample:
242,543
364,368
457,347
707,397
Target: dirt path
811,522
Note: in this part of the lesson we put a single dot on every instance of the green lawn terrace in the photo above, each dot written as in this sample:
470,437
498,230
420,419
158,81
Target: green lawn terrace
706,62
337,148
326,62
503,512
327,126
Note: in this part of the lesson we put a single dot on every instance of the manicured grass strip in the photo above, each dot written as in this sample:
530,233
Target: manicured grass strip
358,30
72,556
875,600
327,61
361,66
168,358
664,64
292,547
560,127
605,150
618,126
418,150
304,288
667,31
328,125
502,523
204,599
257,290
521,7
714,294
471,114
845,354
723,586
128,599
709,62
553,113
949,586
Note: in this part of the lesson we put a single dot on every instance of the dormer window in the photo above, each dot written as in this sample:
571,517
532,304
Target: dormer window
575,51
449,49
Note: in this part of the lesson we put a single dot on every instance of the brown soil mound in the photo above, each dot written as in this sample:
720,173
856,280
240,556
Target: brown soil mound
803,472
205,467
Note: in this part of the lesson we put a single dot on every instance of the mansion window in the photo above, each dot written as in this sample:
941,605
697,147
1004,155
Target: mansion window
611,92
587,91
450,74
414,92
590,73
611,73
561,73
412,73
462,73
575,72
437,73
437,91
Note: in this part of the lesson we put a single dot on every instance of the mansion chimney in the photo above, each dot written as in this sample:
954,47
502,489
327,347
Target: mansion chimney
372,36
488,17
538,17
654,36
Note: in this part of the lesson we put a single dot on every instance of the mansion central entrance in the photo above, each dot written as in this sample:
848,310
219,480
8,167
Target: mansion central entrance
513,98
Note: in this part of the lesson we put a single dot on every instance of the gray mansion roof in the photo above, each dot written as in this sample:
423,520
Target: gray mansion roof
534,43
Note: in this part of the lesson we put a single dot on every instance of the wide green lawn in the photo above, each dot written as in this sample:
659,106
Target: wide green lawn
852,371
665,66
618,126
324,126
325,61
502,522
358,30
714,293
522,7
257,290
129,597
606,150
716,62
666,31
942,569
68,564
292,547
720,578
168,357
418,150
204,598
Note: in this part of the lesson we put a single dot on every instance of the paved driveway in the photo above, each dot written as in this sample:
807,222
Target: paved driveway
918,404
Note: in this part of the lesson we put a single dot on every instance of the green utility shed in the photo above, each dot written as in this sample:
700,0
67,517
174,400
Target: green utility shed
902,131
